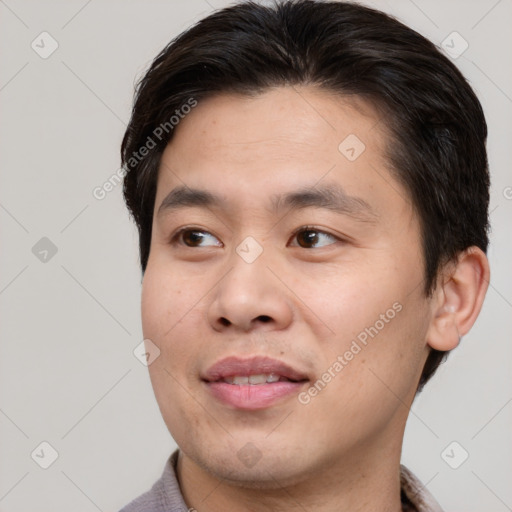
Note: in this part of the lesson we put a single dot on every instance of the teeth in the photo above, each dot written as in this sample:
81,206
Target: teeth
262,378
240,381
257,379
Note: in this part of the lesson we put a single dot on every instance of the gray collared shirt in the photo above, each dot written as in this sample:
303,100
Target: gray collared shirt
165,495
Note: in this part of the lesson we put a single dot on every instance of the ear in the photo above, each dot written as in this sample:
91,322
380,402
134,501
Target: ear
458,299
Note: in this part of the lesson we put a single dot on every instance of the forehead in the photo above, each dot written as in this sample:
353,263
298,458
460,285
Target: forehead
252,148
285,122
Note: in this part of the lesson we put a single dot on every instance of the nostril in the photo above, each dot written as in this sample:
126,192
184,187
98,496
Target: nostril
265,318
225,322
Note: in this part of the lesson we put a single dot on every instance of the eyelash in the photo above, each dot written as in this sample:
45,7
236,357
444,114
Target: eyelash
176,238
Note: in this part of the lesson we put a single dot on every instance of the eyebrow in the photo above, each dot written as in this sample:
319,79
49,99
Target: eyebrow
330,197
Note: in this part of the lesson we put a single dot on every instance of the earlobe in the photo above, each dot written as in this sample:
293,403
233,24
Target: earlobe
458,299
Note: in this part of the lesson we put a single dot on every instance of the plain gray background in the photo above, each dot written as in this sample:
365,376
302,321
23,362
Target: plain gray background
71,320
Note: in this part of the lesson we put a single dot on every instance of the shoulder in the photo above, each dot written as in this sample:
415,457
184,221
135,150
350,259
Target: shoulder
165,494
416,493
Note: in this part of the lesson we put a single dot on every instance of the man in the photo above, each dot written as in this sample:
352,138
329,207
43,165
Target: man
310,185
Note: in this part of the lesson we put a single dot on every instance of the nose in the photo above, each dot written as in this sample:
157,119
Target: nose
250,297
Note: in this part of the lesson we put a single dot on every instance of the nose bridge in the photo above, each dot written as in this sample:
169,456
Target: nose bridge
249,294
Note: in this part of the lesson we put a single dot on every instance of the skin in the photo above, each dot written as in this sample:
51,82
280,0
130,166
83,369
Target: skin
300,302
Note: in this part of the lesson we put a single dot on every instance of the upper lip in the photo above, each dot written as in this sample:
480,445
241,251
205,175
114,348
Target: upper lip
236,366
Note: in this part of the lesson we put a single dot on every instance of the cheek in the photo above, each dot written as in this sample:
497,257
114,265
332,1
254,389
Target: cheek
170,310
168,314
368,379
349,299
378,320
166,298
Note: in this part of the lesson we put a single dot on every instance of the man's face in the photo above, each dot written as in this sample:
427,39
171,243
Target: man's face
318,298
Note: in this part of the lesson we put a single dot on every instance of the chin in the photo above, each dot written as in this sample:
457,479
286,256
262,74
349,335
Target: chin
249,464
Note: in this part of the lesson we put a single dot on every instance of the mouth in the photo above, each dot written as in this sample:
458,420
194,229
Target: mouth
255,380
254,383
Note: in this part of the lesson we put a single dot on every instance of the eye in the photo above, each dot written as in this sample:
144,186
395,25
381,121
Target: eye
194,237
309,235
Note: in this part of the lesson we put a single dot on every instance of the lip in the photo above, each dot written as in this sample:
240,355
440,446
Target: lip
251,397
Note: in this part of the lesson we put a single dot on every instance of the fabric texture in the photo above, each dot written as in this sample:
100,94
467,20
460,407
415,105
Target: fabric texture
165,495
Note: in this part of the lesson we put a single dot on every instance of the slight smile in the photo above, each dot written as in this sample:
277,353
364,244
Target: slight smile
254,383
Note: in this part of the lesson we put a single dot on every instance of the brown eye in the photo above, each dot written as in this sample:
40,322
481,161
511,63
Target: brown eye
308,238
194,238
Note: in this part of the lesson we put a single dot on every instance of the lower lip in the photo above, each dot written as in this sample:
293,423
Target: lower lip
258,396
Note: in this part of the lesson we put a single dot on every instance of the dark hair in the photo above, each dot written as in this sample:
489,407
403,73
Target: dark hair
437,130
